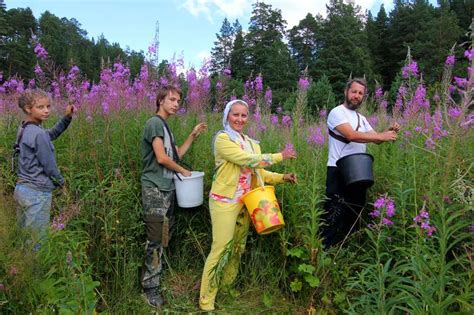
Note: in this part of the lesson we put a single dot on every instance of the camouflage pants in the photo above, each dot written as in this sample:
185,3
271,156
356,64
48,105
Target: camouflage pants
158,216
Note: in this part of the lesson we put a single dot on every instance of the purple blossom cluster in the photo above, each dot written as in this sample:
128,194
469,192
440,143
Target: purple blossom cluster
384,210
422,220
315,137
303,84
40,52
450,60
60,221
410,69
469,54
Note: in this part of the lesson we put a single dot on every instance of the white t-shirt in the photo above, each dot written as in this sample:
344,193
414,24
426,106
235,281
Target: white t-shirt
337,149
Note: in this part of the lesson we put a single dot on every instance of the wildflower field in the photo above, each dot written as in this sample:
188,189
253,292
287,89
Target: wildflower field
413,255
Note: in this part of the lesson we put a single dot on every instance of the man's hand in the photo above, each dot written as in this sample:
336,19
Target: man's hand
394,127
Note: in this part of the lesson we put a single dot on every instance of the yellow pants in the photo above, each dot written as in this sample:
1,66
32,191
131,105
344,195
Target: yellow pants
230,224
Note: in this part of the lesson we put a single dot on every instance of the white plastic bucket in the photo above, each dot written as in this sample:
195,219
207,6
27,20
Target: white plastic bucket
190,190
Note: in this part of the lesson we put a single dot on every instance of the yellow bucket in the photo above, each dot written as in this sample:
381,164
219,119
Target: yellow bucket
263,209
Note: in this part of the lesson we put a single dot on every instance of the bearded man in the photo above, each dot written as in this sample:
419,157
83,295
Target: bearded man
349,132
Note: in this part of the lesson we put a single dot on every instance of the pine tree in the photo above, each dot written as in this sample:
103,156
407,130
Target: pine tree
267,54
221,52
377,43
17,56
345,49
304,41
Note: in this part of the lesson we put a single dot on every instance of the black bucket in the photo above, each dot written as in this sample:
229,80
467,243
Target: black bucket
356,169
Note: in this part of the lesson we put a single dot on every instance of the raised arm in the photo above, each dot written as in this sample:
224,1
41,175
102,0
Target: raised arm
365,137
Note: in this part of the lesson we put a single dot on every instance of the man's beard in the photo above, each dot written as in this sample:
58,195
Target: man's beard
351,105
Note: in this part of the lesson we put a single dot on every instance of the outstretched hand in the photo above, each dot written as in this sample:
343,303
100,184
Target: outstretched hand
70,109
198,129
290,178
394,127
288,153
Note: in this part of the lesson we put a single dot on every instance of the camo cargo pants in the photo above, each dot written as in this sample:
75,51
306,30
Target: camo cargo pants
158,208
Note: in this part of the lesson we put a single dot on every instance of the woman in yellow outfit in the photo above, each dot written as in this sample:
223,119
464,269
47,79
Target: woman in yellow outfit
238,163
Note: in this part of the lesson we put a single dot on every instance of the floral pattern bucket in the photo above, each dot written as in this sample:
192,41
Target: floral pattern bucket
264,210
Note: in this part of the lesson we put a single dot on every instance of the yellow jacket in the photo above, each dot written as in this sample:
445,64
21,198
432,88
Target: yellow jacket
229,158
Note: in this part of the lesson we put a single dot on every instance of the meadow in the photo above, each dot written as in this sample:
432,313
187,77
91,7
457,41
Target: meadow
413,255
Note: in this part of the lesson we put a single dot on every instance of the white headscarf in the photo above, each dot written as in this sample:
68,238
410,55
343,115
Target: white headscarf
228,129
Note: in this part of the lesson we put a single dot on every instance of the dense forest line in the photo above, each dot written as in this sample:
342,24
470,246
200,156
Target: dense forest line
324,49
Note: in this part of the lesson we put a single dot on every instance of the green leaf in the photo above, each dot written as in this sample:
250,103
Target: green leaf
306,268
296,285
313,281
267,299
295,252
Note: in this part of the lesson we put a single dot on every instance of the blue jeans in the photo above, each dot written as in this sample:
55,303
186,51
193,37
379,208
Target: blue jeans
33,209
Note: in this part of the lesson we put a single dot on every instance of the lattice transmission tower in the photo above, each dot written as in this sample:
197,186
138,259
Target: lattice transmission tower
156,43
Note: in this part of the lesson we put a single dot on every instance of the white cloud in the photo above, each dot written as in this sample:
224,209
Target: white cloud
221,8
292,11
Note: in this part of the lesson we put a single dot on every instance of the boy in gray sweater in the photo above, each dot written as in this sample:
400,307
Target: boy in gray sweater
38,174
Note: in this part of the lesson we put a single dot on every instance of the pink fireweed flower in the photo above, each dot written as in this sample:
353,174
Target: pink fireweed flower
268,96
219,85
323,113
227,72
303,84
259,83
469,54
418,129
450,60
40,52
454,112
38,71
375,214
407,134
386,221
460,82
163,81
430,144
274,119
31,84
378,92
152,49
286,121
279,110
422,217
410,69
315,136
436,98
384,208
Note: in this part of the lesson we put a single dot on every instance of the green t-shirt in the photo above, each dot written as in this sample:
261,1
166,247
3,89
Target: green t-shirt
155,174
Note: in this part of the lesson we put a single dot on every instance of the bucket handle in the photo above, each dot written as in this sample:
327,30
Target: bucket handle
185,164
259,179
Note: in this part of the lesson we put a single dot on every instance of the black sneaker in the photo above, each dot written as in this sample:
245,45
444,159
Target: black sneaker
153,297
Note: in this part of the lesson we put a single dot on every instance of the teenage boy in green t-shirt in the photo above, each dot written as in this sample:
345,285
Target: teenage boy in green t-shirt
160,155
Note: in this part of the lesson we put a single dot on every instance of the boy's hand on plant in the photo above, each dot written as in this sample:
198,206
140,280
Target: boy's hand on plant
290,178
198,129
70,109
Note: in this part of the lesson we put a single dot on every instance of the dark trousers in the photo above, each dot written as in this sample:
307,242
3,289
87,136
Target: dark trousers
343,207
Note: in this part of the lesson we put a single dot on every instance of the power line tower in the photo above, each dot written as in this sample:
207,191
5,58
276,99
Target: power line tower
156,44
